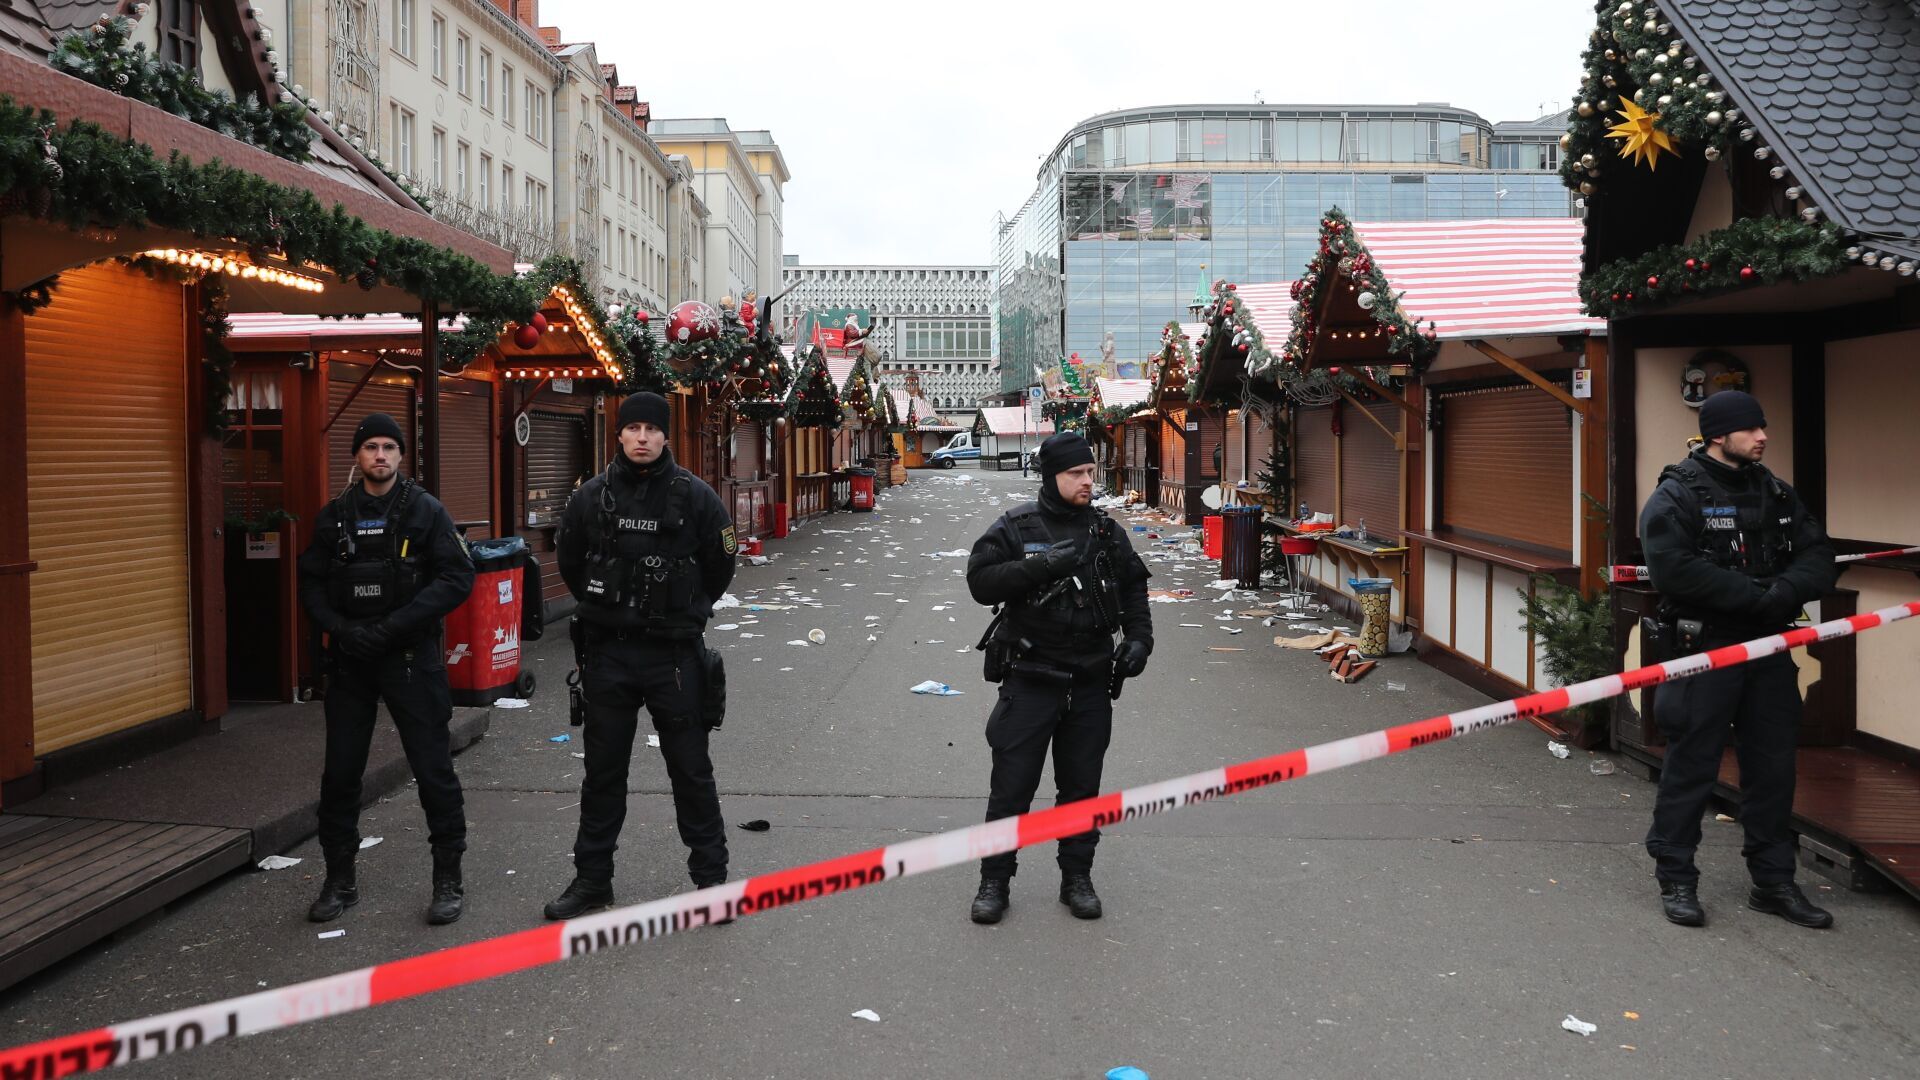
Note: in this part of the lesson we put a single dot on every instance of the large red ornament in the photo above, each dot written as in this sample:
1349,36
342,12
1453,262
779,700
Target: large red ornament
640,314
692,320
538,322
1746,273
526,337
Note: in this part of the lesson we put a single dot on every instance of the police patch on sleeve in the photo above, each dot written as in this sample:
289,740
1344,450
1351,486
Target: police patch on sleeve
727,541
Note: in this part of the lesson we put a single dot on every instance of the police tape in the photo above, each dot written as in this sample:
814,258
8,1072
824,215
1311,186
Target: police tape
1620,574
335,995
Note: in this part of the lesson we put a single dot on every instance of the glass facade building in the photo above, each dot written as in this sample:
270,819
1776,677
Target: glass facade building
1135,210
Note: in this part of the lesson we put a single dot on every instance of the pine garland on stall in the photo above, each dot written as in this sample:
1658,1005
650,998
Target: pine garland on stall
1276,487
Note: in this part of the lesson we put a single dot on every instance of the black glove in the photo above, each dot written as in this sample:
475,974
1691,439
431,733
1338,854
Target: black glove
1130,658
366,641
1059,560
1778,606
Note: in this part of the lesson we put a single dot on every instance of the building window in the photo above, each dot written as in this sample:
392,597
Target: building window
439,159
437,47
403,140
462,152
403,27
506,187
484,195
506,94
180,33
606,243
461,45
606,156
623,253
486,79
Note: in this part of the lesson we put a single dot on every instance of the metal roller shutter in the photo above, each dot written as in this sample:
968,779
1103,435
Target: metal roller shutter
1173,447
1236,455
1506,467
749,450
466,456
1370,469
390,392
1313,459
106,469
556,454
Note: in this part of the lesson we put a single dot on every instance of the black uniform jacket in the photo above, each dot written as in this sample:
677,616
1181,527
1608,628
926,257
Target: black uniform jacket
1672,528
999,572
445,572
706,536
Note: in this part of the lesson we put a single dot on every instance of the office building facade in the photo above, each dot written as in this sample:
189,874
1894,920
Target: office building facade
931,320
1134,210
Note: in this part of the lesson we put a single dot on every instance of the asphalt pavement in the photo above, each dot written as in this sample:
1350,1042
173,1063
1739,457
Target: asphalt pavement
1437,913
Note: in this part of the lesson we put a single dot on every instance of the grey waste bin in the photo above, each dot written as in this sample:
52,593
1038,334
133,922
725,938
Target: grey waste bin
1240,545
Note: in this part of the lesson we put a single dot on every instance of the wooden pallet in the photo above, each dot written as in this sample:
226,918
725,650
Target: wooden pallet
65,883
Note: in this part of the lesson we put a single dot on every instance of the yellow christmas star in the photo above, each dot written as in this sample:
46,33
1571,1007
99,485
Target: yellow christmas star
1643,139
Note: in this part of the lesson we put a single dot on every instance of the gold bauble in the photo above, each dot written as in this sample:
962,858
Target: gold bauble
1586,108
1566,141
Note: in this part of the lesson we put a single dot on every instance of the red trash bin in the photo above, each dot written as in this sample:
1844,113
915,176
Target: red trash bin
780,528
860,486
483,633
1210,533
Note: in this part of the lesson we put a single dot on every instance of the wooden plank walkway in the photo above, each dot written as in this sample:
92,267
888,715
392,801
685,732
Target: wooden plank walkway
65,883
1861,803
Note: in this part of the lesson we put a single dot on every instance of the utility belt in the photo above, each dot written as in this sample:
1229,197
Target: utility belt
584,635
1663,638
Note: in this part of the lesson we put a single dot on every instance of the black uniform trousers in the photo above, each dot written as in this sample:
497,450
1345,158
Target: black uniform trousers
413,683
1076,718
668,678
1760,702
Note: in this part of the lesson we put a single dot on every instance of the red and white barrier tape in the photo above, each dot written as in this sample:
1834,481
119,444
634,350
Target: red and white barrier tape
187,1029
1619,574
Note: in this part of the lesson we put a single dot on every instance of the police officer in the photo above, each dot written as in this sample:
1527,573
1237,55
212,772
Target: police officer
1069,580
1734,554
385,566
646,547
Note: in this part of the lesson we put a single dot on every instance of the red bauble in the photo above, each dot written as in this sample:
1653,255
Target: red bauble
641,315
1693,265
526,337
1629,298
1616,298
1333,371
1233,288
538,322
692,320
1653,282
1746,273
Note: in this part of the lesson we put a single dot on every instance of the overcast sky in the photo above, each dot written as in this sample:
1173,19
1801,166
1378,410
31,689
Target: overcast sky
908,127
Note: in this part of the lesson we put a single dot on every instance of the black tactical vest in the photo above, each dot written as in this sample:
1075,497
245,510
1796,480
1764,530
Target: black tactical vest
376,565
1749,531
1063,612
641,573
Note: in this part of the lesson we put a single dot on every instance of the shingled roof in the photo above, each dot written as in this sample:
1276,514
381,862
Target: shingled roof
1834,85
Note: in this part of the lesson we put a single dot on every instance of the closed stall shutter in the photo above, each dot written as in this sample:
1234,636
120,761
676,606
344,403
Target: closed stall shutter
1236,456
1370,469
1259,446
1136,446
466,455
106,408
556,457
1506,467
1212,436
1313,459
389,392
1173,448
748,451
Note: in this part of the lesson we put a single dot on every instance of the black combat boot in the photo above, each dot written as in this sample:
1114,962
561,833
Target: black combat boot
990,903
582,895
449,897
1076,891
1787,901
338,892
1681,902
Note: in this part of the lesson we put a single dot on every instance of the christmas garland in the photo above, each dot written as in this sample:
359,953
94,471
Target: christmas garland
1751,251
82,177
105,55
1343,254
1172,362
1636,69
516,302
646,366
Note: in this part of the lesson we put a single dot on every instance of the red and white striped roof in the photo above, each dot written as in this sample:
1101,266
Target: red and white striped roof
1013,420
1115,392
1477,279
1271,309
838,371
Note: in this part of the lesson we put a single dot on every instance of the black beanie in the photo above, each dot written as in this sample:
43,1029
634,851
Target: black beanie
646,408
1729,410
376,424
1067,450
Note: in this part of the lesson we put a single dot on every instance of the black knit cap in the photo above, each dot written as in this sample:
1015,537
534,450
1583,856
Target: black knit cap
1067,450
377,424
1730,410
647,408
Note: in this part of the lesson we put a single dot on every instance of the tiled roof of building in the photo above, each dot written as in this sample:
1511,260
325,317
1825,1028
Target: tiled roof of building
64,15
1834,85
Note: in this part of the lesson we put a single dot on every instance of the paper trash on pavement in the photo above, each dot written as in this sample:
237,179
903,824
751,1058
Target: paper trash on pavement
867,1014
1578,1026
511,703
817,636
938,689
369,841
726,600
1558,750
277,862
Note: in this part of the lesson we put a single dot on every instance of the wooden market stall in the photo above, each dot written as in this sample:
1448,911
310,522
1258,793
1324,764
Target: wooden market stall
1114,403
1775,254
